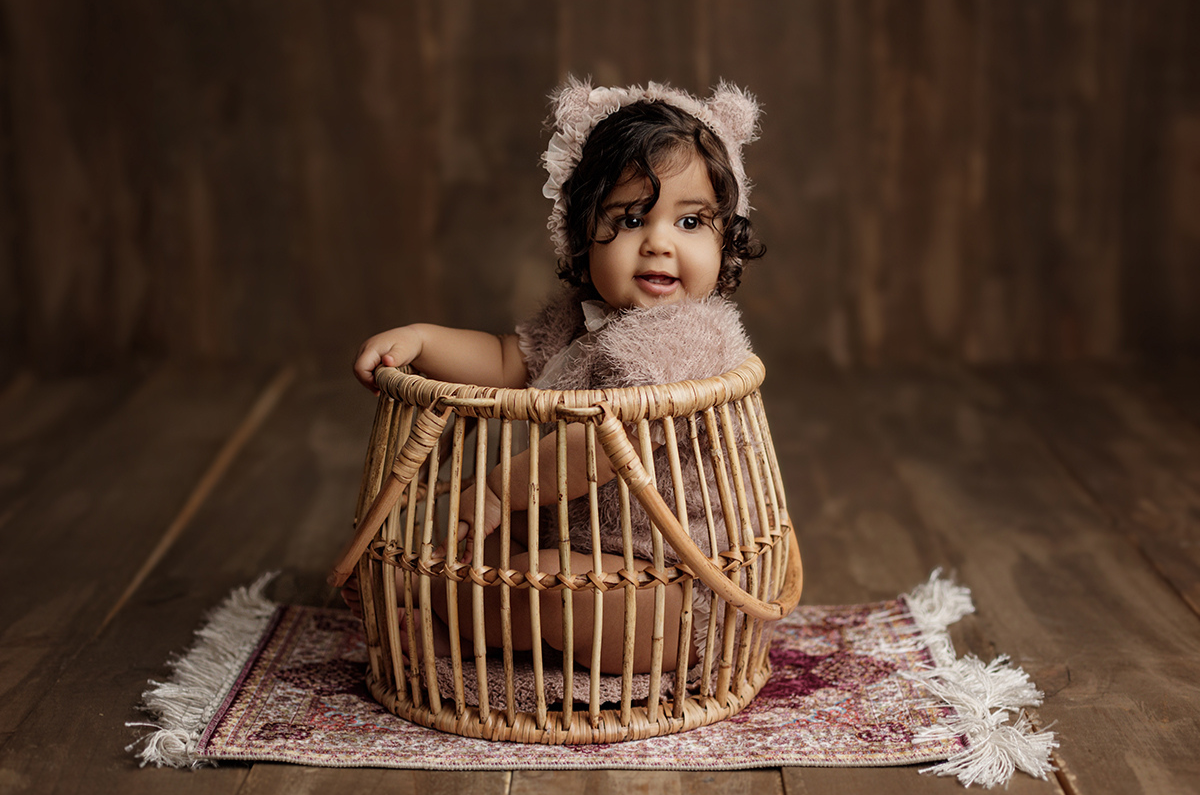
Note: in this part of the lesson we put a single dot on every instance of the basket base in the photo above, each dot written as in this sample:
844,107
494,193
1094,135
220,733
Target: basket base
580,729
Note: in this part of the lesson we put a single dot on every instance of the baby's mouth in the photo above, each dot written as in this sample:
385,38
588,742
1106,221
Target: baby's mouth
659,279
658,284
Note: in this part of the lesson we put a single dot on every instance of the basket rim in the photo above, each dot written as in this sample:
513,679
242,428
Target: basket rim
628,404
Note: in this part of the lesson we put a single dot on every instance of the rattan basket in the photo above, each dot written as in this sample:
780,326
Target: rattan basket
429,440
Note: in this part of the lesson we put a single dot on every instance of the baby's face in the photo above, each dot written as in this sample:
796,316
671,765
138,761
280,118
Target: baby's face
670,252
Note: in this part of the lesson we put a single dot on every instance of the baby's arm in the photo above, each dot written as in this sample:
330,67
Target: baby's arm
444,354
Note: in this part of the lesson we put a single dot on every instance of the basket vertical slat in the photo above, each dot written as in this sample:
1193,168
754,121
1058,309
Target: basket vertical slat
451,546
410,624
378,455
683,648
749,442
764,492
745,535
478,625
564,563
425,595
784,549
365,572
391,438
593,478
394,669
506,442
769,448
754,507
780,549
535,602
752,448
630,615
660,591
721,468
707,654
773,493
377,460
734,553
394,662
774,487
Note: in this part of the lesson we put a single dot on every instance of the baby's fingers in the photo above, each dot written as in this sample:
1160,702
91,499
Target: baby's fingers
351,595
364,368
466,541
464,532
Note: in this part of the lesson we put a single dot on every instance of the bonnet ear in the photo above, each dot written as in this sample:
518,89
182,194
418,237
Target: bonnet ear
571,104
734,115
736,112
578,107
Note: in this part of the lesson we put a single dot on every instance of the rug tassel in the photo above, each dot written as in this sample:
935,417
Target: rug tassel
985,697
938,603
202,677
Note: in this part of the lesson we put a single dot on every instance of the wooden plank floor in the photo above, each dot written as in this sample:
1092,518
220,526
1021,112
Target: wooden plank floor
1069,501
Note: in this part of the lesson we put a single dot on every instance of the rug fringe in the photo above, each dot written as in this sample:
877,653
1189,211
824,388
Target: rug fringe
935,605
988,699
932,607
183,706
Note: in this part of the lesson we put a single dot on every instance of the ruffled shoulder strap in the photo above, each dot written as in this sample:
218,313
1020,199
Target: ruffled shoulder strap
548,331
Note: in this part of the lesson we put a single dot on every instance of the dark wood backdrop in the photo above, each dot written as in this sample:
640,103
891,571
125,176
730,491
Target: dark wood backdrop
236,181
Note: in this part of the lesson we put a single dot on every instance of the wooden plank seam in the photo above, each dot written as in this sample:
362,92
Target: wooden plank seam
266,403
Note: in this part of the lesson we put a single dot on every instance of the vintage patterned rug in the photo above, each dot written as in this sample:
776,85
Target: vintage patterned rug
861,685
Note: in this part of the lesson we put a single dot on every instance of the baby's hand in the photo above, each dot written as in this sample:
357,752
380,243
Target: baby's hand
352,596
394,348
491,516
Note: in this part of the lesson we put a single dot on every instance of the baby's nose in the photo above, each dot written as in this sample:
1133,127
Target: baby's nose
657,240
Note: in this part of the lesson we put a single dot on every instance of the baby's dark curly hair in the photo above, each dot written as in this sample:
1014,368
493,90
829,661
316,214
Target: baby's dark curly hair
637,139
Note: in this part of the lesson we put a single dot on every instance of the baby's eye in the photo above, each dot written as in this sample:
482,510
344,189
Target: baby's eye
627,222
689,223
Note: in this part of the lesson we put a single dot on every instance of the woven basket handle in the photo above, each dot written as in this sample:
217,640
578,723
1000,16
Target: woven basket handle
424,435
628,466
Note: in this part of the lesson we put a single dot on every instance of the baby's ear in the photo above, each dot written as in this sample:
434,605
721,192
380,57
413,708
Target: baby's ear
736,111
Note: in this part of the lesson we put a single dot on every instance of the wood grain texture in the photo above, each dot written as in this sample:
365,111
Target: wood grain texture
647,782
1162,170
1137,459
283,504
270,779
936,180
41,420
894,781
1056,586
81,530
1178,386
11,321
844,495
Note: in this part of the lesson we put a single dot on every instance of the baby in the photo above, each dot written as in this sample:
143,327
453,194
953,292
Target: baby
650,227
